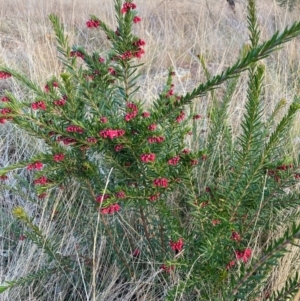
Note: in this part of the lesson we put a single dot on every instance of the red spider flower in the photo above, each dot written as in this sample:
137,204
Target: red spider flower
230,264
167,269
146,114
100,198
136,253
77,53
5,99
154,197
120,195
111,209
3,177
118,147
5,111
111,134
42,195
152,127
136,19
4,75
180,117
146,158
92,23
243,255
139,43
177,246
103,120
216,222
161,182
127,6
174,161
58,157
196,117
42,181
38,105
194,162
74,129
59,102
36,165
156,139
91,140
235,236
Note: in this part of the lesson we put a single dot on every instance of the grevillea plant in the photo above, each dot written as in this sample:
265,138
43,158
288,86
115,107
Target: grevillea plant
187,214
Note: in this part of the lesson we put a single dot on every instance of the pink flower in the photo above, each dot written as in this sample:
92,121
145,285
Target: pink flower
36,165
243,255
118,147
161,182
92,23
152,127
147,157
166,268
103,120
4,75
174,161
38,105
120,195
230,264
136,19
146,114
5,99
177,246
111,209
235,236
74,129
100,198
58,157
180,117
42,181
156,139
111,134
130,116
91,140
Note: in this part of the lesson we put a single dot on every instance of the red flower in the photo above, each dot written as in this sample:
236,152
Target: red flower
147,158
230,264
127,55
130,116
60,102
216,222
156,139
161,182
194,162
180,117
111,209
22,237
54,85
2,120
92,23
127,6
5,99
36,165
5,111
120,195
38,105
235,236
101,60
4,75
146,114
139,43
91,140
152,127
112,71
111,134
3,177
196,116
186,151
170,93
154,197
100,198
243,255
103,120
42,181
77,53
136,253
118,147
136,19
74,129
174,161
42,195
139,53
166,268
58,157
177,246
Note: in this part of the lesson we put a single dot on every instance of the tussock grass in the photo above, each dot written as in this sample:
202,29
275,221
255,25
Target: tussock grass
176,32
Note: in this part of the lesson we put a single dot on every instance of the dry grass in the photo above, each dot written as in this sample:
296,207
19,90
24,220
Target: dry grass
176,32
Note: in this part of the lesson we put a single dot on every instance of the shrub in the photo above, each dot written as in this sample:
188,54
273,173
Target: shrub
138,180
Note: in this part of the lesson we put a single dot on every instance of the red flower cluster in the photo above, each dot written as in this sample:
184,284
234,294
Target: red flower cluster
103,120
47,88
140,51
5,99
91,140
92,23
243,255
77,53
120,195
3,177
235,236
42,181
66,140
166,268
152,127
180,117
5,111
177,246
127,6
133,111
38,105
4,75
186,151
111,209
60,102
36,165
74,129
136,19
146,114
230,264
161,182
111,134
118,147
148,157
58,157
156,139
127,55
174,161
101,59
112,71
100,198
194,162
154,197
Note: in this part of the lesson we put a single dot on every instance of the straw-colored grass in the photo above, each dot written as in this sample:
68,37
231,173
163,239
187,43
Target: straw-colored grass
175,32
